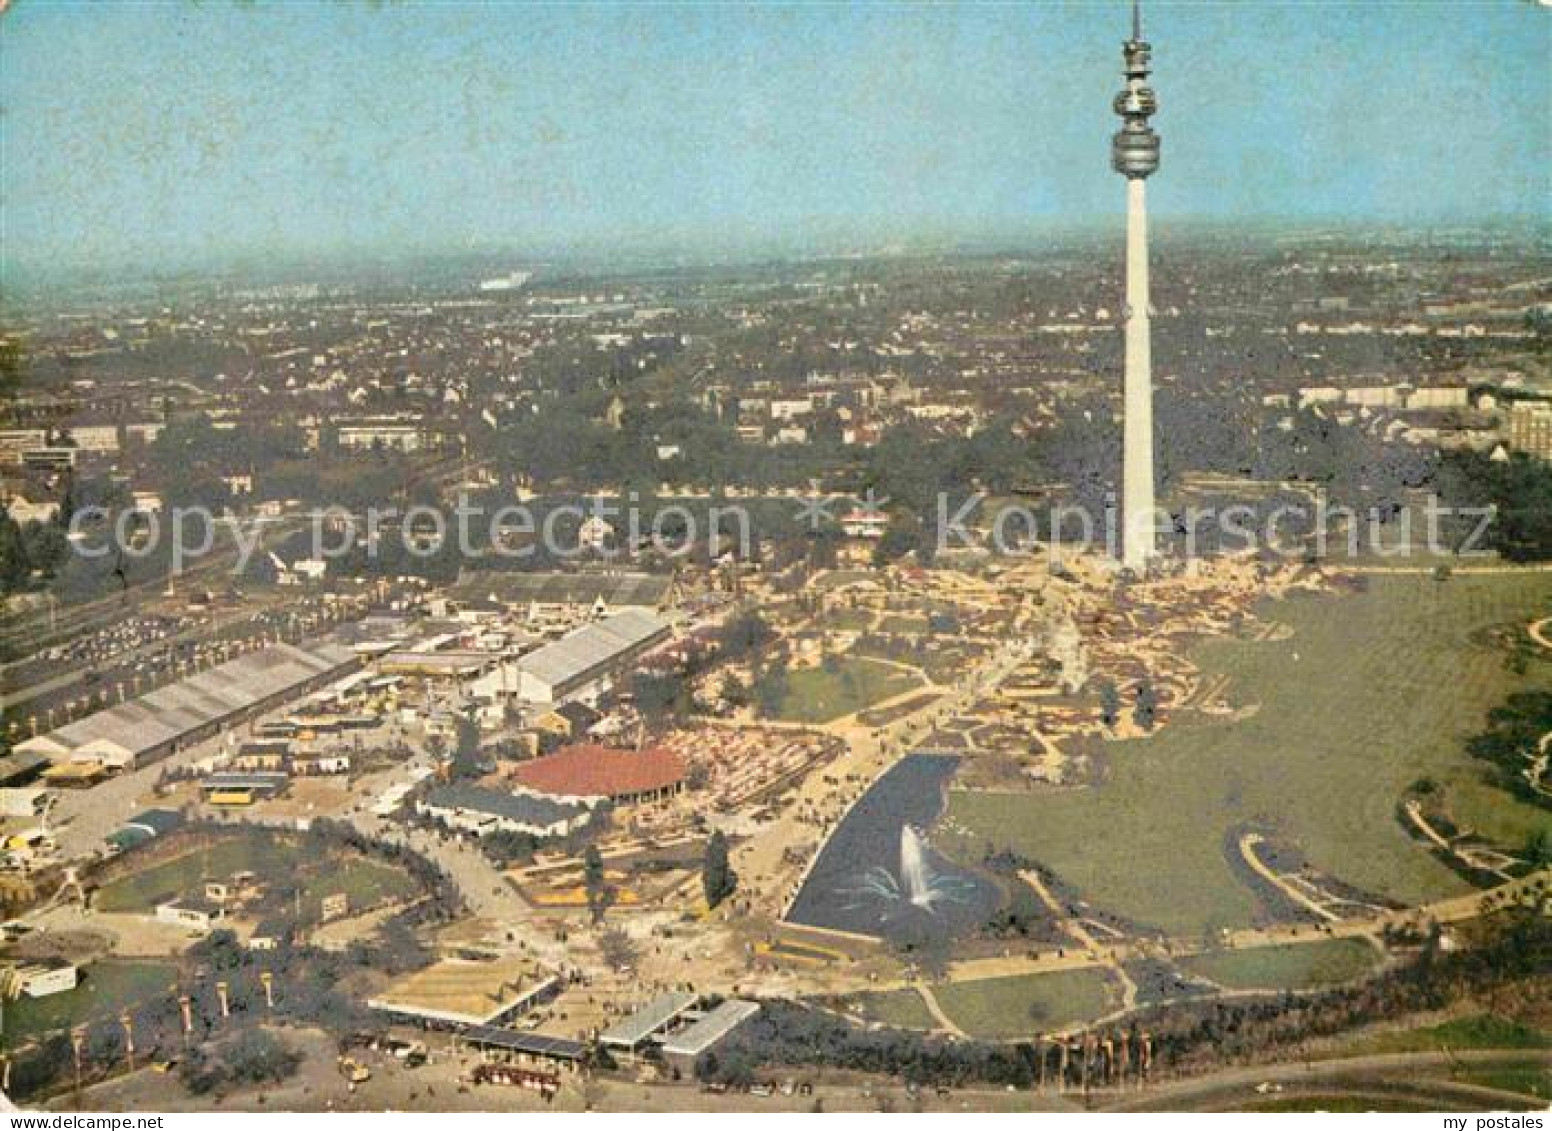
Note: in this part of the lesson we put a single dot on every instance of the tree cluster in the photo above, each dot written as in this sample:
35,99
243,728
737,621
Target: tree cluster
718,880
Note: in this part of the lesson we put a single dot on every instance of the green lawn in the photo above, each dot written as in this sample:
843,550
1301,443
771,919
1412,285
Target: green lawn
1526,1081
1371,692
1298,966
265,855
1025,1004
1484,1031
274,859
105,989
901,1009
1523,1080
815,695
367,883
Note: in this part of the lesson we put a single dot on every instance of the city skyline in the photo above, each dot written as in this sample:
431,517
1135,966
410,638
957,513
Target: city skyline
371,130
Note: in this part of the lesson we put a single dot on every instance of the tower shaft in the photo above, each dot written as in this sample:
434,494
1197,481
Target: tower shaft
1134,153
1137,506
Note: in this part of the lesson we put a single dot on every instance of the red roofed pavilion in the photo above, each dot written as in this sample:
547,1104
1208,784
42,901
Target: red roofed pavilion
590,774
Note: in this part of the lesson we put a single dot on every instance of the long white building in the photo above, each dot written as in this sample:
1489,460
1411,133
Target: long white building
584,664
172,717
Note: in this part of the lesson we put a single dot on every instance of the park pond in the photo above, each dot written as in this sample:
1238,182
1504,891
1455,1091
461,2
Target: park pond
878,875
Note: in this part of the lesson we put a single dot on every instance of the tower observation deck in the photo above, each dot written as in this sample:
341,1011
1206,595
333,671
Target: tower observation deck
1134,151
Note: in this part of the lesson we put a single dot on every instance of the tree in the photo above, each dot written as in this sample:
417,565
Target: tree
901,536
466,762
1512,739
253,1056
770,693
744,634
14,564
1145,713
12,363
718,880
595,883
659,698
1109,703
1538,848
46,546
617,948
1520,492
507,848
734,692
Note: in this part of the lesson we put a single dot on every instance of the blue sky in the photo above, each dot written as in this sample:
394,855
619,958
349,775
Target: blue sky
173,133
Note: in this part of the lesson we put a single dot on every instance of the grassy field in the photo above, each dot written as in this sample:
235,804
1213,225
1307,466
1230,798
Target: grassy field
140,892
1299,966
1371,692
270,857
814,695
1026,1004
1484,1031
1536,1082
105,989
901,1009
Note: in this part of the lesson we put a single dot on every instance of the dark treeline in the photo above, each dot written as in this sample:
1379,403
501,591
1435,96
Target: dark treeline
1519,490
1515,944
1513,740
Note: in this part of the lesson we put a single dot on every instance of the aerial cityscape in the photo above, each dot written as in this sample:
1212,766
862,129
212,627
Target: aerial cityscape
781,558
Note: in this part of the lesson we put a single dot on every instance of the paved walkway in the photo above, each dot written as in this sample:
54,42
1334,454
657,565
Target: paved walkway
1247,852
1538,631
1091,946
934,1007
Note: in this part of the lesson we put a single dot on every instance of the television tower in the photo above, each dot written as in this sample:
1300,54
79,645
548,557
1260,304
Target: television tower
1134,152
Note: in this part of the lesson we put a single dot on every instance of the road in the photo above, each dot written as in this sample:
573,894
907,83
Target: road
484,888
